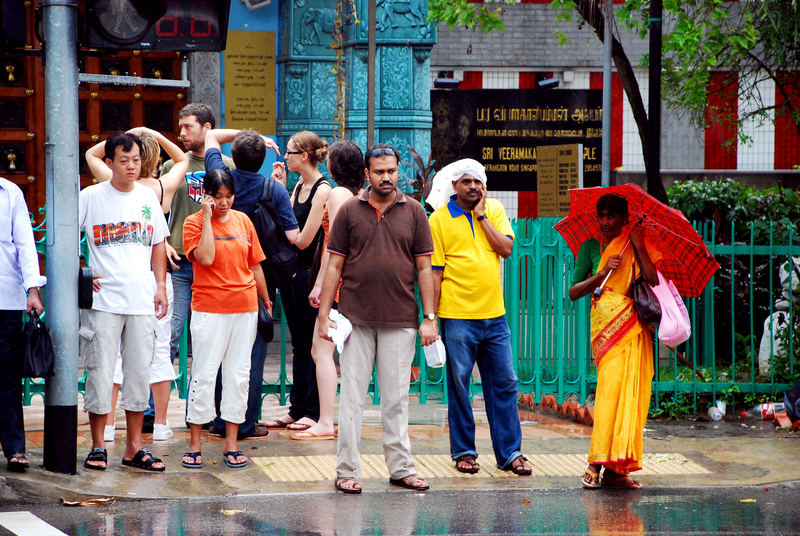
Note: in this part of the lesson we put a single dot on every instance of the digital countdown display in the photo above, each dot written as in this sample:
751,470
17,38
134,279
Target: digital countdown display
196,25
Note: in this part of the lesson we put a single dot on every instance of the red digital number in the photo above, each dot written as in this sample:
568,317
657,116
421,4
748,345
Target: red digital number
164,25
200,28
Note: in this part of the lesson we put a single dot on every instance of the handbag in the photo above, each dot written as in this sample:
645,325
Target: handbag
38,359
265,326
644,301
675,327
85,289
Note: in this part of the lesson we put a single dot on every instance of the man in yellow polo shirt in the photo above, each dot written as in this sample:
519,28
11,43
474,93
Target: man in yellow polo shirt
470,234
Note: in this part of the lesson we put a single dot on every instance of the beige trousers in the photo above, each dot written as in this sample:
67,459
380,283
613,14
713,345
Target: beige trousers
391,350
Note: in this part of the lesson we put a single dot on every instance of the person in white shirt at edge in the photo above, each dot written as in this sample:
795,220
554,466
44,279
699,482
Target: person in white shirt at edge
125,230
19,271
161,371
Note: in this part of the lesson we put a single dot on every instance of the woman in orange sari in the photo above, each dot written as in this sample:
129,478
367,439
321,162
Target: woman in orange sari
622,346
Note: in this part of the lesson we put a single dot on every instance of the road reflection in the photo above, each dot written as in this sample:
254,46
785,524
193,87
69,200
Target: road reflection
484,511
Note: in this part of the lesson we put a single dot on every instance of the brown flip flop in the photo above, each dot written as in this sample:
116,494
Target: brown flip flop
278,423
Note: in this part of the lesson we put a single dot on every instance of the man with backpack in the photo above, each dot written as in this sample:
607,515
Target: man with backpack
276,227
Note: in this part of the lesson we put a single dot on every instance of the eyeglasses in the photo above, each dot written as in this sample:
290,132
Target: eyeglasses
383,151
293,152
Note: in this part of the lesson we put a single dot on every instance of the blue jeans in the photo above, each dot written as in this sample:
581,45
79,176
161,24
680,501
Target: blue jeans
182,279
257,358
487,342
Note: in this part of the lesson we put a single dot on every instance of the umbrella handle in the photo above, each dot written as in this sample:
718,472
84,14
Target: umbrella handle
599,290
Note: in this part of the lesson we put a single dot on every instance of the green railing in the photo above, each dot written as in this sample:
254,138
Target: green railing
550,333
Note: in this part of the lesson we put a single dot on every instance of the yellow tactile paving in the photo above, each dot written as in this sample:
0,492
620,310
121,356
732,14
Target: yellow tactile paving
442,466
289,469
324,464
558,464
437,466
373,466
315,468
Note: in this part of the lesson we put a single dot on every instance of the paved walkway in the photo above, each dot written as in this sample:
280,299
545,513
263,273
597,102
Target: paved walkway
687,454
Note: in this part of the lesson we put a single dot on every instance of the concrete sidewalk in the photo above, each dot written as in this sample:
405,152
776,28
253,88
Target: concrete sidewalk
688,454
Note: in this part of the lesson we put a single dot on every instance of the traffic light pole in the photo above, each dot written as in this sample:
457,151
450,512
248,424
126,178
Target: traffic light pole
63,183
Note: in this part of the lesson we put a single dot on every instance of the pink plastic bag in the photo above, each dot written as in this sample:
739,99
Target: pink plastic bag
675,327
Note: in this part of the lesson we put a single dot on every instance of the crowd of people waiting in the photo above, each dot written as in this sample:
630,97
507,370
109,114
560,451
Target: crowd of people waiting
178,243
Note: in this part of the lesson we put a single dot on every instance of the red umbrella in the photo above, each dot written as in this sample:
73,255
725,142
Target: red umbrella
686,259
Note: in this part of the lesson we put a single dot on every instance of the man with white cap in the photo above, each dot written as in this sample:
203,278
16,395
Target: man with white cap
470,235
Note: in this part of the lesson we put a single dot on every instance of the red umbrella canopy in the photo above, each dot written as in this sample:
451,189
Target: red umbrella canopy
686,259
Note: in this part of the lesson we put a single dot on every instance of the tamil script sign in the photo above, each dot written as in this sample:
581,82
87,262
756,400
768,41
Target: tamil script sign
503,127
559,170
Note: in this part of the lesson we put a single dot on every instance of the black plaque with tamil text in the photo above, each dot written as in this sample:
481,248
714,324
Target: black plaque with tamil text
503,127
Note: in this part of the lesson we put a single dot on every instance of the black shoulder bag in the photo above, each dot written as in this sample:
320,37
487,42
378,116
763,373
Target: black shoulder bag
644,300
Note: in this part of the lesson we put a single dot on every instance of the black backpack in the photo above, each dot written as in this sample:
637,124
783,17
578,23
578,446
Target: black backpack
281,263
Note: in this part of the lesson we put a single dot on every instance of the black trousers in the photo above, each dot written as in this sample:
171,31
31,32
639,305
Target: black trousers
300,316
12,430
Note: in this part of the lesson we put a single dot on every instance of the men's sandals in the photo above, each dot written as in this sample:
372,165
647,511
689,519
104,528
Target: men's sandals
97,454
412,482
467,463
520,466
18,462
144,460
351,489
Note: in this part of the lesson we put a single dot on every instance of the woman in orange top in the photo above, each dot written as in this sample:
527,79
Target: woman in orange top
346,164
621,344
226,258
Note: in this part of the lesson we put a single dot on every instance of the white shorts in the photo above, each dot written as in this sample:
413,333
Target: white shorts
103,335
161,370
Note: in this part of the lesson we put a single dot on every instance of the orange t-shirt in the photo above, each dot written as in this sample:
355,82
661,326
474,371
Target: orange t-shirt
228,285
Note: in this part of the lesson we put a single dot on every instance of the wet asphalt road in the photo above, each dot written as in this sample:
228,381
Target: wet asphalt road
768,511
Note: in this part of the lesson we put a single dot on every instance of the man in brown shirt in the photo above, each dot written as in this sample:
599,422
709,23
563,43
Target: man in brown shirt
380,245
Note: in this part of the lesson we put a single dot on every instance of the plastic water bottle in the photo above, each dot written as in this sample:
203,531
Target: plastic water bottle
718,411
763,411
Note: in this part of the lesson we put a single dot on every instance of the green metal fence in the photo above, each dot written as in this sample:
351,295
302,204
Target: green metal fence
550,333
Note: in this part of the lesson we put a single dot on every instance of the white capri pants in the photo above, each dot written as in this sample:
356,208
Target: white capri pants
227,340
161,370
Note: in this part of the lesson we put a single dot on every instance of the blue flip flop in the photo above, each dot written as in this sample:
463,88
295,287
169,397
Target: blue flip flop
235,454
195,464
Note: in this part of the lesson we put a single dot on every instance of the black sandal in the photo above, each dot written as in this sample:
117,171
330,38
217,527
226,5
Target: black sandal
139,462
18,462
97,454
413,482
351,490
518,466
472,465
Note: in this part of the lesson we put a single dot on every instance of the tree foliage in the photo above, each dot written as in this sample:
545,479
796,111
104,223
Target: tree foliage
756,39
759,39
463,13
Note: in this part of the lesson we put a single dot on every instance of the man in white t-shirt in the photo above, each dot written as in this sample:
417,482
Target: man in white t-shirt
125,229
